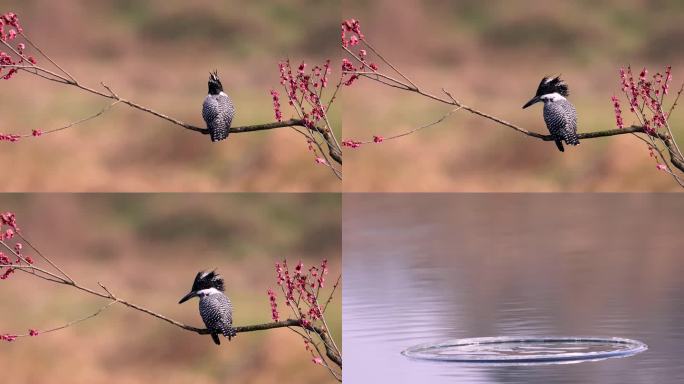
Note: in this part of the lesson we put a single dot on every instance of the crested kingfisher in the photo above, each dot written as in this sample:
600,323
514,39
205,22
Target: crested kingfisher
218,109
559,115
214,307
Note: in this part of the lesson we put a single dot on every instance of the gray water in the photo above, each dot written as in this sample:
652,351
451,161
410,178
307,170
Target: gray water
427,268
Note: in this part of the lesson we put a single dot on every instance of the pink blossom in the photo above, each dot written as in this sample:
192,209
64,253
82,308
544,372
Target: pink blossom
317,360
668,79
274,305
320,160
347,65
324,271
33,332
351,26
618,112
11,19
276,105
10,219
9,137
326,72
351,79
300,290
8,272
8,337
36,132
661,167
351,143
378,139
623,77
302,90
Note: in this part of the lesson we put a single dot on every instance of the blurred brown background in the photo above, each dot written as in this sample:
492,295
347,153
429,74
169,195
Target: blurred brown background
147,249
159,53
491,55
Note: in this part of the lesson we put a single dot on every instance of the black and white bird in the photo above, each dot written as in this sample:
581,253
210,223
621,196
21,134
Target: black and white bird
214,307
560,116
218,109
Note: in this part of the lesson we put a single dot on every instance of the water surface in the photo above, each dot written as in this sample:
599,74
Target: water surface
426,268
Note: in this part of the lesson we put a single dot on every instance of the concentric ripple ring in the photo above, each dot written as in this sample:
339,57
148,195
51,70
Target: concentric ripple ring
526,350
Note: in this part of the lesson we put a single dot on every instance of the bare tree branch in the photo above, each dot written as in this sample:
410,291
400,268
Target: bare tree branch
370,71
29,65
25,265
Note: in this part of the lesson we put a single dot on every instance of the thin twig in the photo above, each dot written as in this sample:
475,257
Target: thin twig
325,307
69,324
47,57
25,240
417,129
388,63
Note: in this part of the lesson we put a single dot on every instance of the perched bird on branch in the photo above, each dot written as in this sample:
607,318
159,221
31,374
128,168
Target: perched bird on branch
214,307
560,116
218,109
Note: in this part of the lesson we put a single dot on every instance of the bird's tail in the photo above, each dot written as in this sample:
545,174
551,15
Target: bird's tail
571,138
216,339
559,144
219,134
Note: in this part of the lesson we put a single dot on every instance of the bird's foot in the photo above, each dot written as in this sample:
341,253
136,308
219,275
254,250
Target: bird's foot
231,333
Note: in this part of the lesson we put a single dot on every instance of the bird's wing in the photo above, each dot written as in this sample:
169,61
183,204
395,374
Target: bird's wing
226,107
210,109
570,116
226,309
554,118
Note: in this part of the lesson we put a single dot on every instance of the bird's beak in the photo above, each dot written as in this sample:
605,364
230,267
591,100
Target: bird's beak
535,99
187,297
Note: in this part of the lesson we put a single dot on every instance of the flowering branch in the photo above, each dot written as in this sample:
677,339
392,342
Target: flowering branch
16,59
646,98
304,91
14,256
301,289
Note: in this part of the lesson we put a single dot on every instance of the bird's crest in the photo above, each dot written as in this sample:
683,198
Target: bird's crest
550,84
215,86
205,280
213,76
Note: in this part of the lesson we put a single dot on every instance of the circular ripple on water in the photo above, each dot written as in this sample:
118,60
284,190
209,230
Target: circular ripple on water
526,350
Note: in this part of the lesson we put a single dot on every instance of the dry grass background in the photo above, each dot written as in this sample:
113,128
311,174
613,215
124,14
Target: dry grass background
159,53
147,248
491,55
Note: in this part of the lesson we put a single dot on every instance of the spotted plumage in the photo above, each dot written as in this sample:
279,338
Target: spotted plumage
218,109
559,114
215,308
